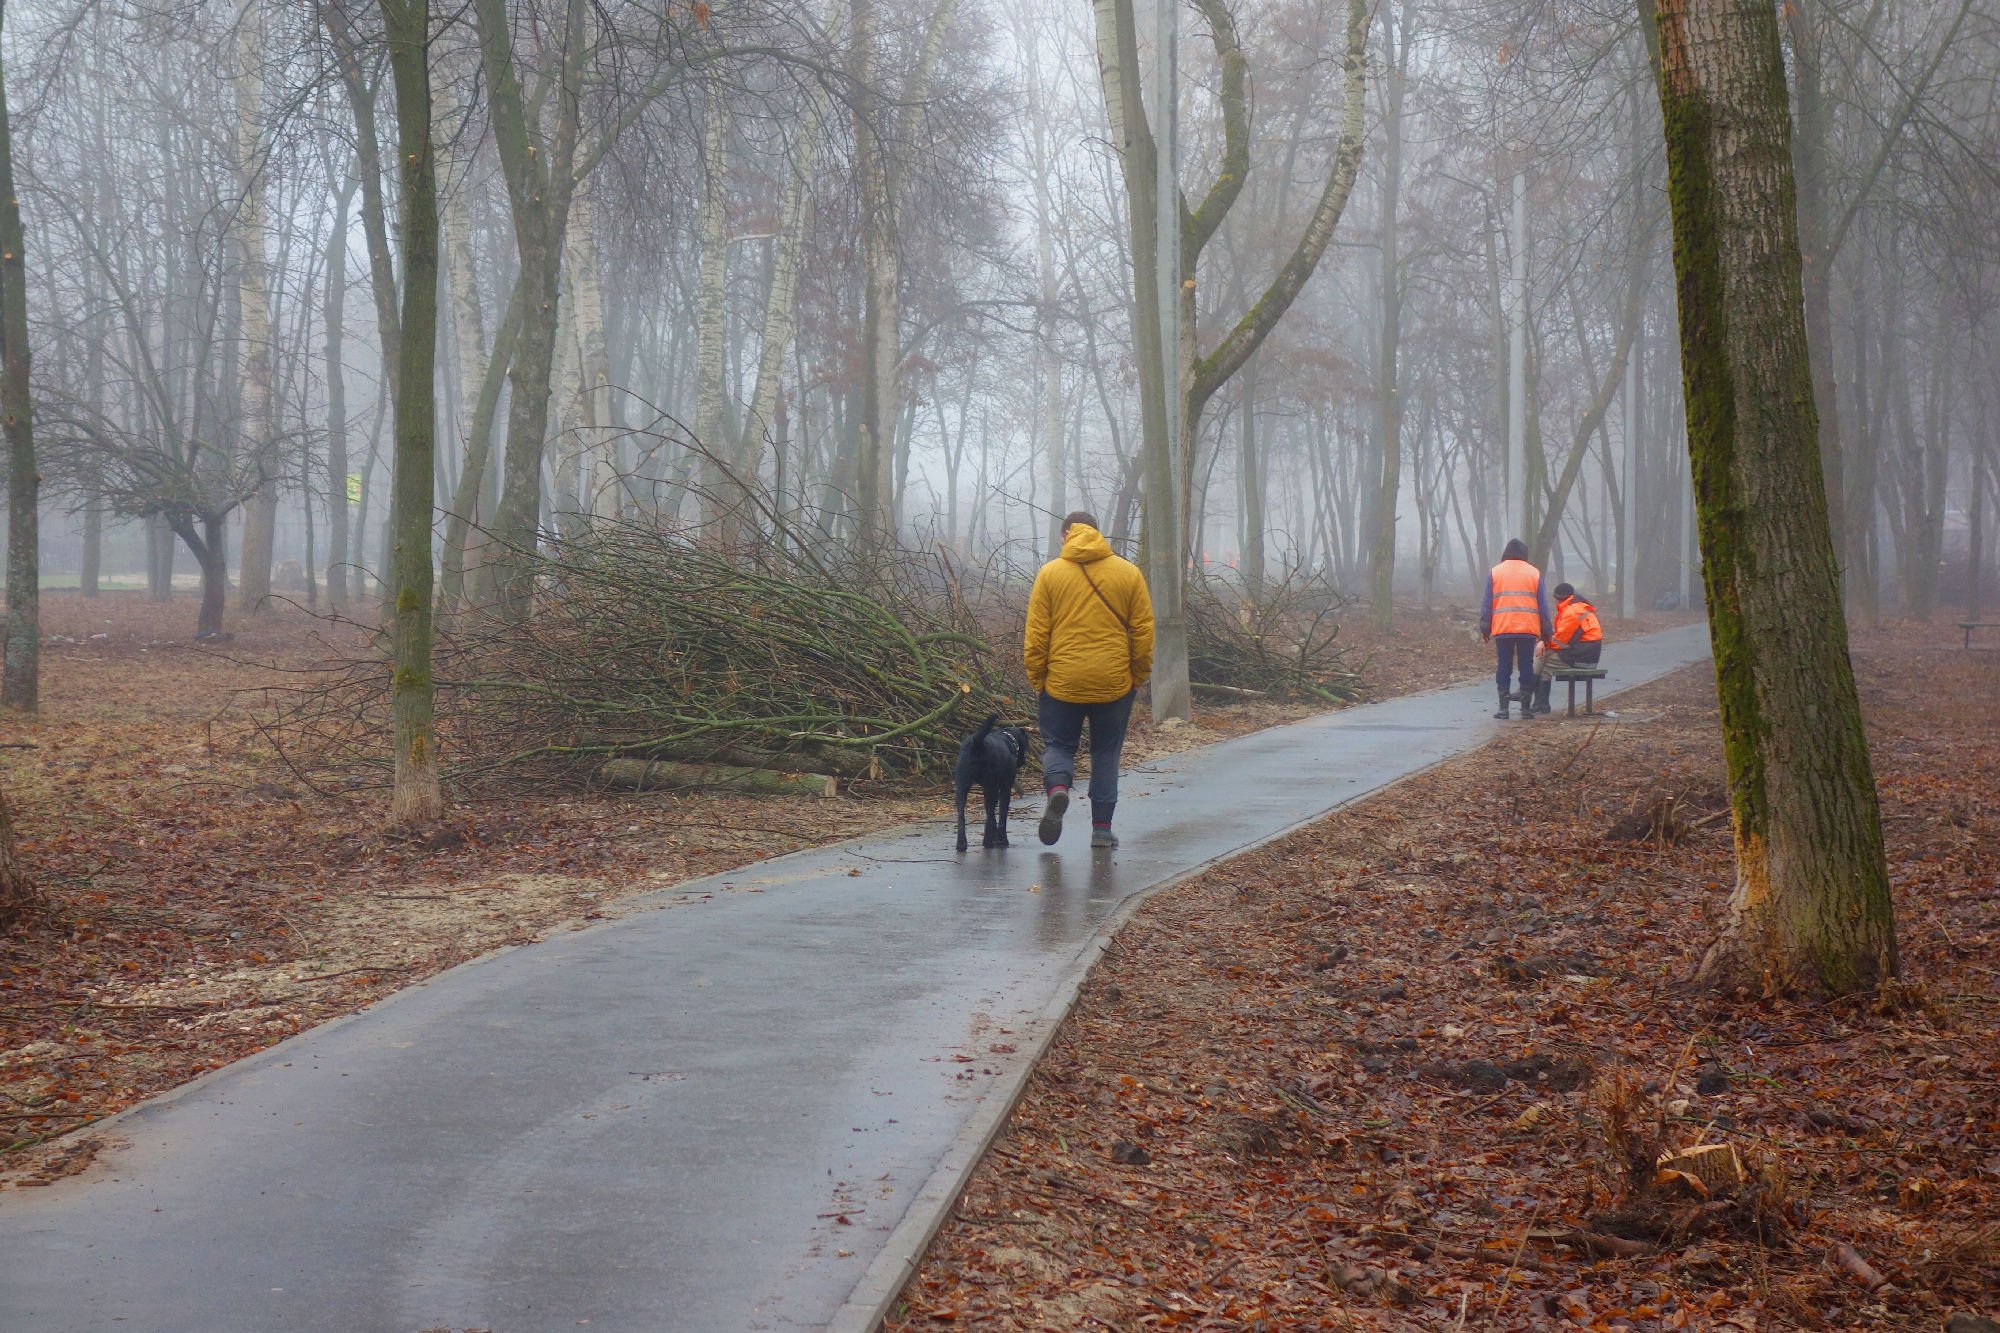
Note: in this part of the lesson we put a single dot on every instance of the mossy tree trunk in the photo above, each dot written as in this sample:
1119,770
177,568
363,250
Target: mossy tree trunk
1811,908
417,798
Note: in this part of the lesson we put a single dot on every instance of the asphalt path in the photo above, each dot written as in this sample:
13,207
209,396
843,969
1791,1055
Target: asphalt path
742,1103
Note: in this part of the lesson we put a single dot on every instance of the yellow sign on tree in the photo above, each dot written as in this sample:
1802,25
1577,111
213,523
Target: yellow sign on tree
354,488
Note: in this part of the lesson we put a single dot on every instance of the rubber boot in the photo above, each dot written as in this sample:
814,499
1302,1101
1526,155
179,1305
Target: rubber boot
1505,699
1543,688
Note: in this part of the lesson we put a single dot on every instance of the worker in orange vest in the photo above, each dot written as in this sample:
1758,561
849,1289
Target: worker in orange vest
1515,617
1578,640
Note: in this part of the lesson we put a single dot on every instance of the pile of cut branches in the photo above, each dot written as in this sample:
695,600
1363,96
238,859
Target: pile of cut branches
1281,645
651,660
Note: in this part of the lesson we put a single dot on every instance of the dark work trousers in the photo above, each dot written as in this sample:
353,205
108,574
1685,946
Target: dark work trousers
1062,728
1510,649
1580,654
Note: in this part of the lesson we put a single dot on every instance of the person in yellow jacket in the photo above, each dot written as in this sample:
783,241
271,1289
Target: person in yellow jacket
1089,646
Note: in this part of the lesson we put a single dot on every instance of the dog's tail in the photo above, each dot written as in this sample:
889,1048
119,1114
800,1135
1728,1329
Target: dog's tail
985,729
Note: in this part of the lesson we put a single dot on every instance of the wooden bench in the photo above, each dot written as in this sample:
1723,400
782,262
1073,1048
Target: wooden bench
1589,675
1970,625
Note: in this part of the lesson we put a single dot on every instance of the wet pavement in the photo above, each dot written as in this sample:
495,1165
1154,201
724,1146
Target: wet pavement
708,1113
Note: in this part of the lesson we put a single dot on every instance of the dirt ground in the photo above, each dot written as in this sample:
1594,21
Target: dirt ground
1414,1066
203,903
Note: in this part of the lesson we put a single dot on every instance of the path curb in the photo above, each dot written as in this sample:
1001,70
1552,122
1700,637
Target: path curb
882,1283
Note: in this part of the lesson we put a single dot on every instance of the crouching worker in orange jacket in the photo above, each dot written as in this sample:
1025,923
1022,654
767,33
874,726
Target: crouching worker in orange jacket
1578,640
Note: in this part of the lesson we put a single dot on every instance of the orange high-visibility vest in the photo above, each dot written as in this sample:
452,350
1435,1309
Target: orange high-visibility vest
1517,598
1576,622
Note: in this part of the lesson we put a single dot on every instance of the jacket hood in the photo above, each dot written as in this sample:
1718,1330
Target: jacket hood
1085,545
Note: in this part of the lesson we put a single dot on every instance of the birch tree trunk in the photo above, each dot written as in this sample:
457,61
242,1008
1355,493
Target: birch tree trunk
257,444
417,798
1811,907
21,680
597,472
783,298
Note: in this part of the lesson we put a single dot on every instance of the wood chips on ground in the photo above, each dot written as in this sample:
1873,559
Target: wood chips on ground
1415,1067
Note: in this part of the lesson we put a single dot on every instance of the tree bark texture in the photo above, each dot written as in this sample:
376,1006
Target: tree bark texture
472,487
20,682
540,182
1163,561
417,797
1811,907
780,303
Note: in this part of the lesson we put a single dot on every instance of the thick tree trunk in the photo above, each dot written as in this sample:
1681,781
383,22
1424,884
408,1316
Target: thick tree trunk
21,682
207,545
417,798
1811,907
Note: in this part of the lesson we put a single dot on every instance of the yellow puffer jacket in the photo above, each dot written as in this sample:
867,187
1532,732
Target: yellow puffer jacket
1077,650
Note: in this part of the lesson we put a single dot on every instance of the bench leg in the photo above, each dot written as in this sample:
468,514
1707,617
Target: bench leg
1572,700
1590,696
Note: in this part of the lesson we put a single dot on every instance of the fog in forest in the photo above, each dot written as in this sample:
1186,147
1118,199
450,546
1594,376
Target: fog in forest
871,267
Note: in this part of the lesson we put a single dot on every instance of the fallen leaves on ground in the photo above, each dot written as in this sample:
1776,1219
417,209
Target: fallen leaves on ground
204,903
1423,1064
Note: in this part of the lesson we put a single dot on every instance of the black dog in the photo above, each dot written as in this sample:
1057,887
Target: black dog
989,757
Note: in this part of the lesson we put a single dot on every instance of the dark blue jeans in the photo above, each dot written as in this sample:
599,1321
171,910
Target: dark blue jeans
1062,729
1511,649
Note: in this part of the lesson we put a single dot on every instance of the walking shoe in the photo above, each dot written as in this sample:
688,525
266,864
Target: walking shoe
1102,836
1052,815
1505,699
